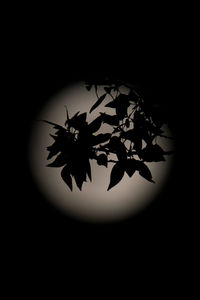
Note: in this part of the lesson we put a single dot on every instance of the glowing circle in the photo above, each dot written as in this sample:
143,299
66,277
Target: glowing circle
94,203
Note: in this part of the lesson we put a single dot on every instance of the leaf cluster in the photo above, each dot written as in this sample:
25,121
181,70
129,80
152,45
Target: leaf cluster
135,126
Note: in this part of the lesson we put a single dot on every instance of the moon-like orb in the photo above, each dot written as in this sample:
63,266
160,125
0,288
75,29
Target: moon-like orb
93,203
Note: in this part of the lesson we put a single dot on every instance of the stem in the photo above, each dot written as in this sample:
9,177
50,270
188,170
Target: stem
167,137
96,92
113,161
112,96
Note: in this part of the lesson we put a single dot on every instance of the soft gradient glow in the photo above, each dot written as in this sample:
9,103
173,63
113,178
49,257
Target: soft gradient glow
93,203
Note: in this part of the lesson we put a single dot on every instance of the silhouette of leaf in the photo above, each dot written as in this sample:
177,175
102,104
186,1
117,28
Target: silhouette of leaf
158,149
88,87
53,150
53,136
116,175
64,141
115,145
95,125
152,153
65,174
128,135
88,170
111,120
130,167
60,129
121,111
100,138
127,123
99,101
78,122
139,119
122,98
121,151
79,178
102,160
133,96
70,121
121,104
111,104
67,114
134,136
78,170
56,126
60,161
137,143
74,116
61,132
144,171
121,154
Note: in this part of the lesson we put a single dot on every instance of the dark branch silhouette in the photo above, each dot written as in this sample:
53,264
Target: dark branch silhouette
135,127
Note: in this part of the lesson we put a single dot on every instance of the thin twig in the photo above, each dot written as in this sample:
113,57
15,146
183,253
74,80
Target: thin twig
167,137
113,161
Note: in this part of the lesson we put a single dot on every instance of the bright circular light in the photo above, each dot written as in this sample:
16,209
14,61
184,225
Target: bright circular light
94,203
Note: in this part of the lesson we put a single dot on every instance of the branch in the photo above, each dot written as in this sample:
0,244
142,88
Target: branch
113,161
167,137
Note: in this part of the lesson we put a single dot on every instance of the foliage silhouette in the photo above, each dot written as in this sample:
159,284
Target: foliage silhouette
135,126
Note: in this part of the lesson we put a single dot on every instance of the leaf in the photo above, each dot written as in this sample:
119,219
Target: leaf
121,111
121,104
79,121
111,104
60,161
100,138
127,123
144,171
67,114
114,141
121,151
78,170
130,167
61,131
158,149
98,102
129,134
79,178
65,174
56,126
122,98
53,150
95,125
75,115
152,153
137,143
53,136
133,96
134,137
89,86
68,121
115,145
88,170
102,160
116,175
111,120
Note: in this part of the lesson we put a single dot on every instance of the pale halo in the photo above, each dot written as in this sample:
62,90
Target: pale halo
94,203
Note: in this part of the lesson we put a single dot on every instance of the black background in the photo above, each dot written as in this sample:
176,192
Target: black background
44,60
